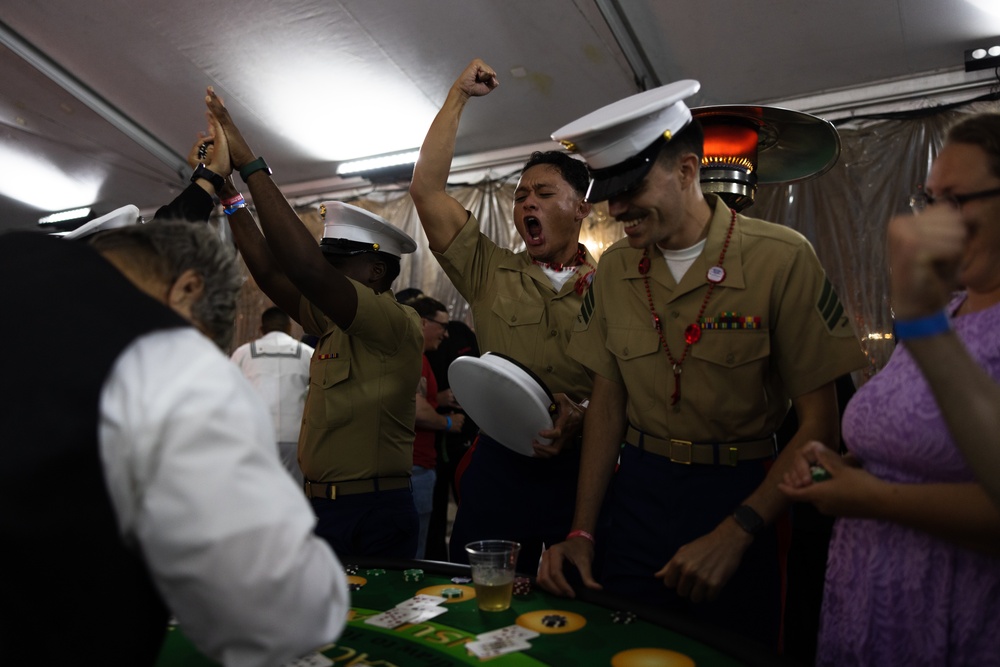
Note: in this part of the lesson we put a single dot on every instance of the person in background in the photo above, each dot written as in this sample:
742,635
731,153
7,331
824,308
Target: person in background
460,341
277,366
356,443
434,316
173,499
523,305
913,574
702,328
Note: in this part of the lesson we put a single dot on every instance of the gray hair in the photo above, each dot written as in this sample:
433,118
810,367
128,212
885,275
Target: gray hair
171,247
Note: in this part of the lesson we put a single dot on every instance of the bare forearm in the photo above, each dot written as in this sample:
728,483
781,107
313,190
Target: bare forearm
427,417
438,149
440,215
295,251
603,431
819,420
261,263
969,400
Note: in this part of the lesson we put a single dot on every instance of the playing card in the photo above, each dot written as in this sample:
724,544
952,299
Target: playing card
509,632
421,602
428,613
491,648
393,618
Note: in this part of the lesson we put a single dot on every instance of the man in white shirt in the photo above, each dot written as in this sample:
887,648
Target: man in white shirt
277,366
137,472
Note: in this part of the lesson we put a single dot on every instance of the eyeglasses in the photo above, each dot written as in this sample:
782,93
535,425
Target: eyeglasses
920,200
443,325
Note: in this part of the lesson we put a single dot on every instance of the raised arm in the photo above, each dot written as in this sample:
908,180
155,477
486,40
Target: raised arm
251,244
923,252
290,243
441,216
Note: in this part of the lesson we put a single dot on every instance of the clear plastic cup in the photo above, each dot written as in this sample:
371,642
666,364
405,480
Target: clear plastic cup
493,564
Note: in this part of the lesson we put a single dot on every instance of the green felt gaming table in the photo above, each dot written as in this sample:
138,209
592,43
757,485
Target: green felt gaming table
590,635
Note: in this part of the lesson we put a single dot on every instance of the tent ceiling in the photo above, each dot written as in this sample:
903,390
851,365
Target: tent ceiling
295,74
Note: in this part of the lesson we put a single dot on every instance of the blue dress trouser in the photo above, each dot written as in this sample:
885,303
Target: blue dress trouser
657,506
510,496
382,523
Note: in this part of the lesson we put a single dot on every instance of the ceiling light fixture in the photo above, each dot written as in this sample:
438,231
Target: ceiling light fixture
392,168
986,56
65,216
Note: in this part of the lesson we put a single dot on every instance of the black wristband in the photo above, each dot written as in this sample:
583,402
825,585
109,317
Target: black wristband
252,167
748,519
201,171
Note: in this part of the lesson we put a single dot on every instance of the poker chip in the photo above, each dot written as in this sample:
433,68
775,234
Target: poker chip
375,572
351,569
451,593
554,621
461,580
522,585
622,617
819,473
413,575
355,586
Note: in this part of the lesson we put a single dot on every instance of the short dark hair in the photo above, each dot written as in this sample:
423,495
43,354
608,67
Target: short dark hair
409,294
427,306
691,139
275,319
981,130
572,170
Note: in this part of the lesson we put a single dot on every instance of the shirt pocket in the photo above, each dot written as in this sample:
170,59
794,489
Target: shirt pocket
737,366
645,379
518,326
329,403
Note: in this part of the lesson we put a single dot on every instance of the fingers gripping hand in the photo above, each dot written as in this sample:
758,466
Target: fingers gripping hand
217,155
239,151
569,421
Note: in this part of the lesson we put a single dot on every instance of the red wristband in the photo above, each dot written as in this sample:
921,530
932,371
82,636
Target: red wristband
227,203
581,533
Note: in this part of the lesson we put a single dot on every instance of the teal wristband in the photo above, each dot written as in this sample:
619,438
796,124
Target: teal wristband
922,327
253,167
448,423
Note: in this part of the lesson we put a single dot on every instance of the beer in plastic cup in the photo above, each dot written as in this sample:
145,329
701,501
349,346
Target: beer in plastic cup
493,564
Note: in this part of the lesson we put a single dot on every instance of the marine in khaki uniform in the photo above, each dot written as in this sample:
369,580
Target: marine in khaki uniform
524,305
356,441
703,327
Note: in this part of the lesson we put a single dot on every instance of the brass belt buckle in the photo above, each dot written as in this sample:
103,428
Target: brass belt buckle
733,456
680,451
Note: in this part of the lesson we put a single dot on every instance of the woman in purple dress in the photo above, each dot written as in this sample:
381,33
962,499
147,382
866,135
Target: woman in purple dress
913,576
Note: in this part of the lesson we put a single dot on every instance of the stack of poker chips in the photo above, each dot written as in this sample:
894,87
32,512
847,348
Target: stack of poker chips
413,575
522,585
451,593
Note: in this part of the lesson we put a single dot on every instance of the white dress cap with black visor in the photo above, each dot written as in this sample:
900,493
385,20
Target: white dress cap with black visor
620,141
507,401
126,216
350,230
